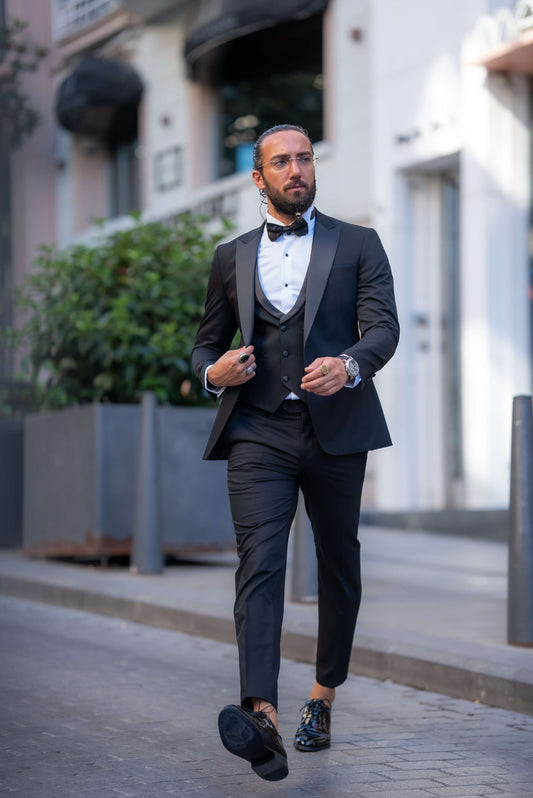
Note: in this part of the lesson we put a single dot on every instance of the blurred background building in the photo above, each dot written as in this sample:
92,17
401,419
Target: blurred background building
421,115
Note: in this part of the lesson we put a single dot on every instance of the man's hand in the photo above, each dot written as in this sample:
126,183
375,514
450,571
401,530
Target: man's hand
324,376
233,368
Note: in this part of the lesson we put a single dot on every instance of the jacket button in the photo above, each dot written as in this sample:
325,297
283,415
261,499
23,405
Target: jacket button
285,353
283,327
285,378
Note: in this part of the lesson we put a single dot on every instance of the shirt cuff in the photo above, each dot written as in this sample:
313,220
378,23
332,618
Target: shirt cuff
215,389
353,382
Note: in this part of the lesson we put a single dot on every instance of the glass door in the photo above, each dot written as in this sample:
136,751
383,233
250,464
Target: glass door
451,318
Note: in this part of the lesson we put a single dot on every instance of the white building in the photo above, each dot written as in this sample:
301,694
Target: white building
421,114
451,197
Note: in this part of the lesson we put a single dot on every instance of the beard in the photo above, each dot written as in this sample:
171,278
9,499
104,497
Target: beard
291,204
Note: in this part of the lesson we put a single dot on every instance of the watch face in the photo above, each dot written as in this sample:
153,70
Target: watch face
352,369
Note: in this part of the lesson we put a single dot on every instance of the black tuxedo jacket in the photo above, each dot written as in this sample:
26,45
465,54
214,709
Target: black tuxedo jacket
349,308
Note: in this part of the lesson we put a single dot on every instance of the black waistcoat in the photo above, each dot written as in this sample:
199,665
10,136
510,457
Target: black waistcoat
279,352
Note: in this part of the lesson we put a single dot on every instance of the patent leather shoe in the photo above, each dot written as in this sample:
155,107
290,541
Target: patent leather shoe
253,736
314,731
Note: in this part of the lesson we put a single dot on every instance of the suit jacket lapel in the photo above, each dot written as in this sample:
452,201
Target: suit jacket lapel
325,242
245,262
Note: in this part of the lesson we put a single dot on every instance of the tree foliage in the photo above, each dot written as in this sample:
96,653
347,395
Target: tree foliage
16,59
104,323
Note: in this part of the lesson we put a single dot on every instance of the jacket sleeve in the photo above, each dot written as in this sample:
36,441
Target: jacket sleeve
219,323
376,309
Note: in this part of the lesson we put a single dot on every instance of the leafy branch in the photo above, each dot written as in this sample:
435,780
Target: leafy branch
17,58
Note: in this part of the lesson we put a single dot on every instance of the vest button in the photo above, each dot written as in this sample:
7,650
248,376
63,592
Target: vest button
283,327
285,378
285,353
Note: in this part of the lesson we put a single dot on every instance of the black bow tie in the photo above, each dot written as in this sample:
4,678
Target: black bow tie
298,227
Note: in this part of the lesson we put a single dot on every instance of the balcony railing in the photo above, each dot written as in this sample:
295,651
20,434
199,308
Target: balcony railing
71,16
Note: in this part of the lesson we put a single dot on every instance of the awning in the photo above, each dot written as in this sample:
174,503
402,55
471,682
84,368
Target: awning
100,98
218,23
515,55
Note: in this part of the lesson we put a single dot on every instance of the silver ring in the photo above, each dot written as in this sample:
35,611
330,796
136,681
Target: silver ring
249,370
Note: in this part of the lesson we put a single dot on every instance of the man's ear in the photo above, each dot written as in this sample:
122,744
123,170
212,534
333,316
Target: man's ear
258,179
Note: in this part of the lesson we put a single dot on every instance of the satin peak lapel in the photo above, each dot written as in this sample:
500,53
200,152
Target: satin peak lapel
325,243
245,262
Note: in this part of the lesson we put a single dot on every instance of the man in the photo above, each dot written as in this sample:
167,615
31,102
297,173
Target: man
313,300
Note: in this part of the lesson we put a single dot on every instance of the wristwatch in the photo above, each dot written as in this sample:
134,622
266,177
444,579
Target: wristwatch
351,366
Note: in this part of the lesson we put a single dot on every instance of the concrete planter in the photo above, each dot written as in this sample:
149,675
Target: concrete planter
80,481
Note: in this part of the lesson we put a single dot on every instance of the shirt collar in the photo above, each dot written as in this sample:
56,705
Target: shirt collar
308,215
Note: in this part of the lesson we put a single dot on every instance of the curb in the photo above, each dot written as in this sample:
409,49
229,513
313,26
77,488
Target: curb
367,660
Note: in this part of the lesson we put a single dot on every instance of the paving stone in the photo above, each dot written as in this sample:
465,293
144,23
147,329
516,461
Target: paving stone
392,794
480,791
94,707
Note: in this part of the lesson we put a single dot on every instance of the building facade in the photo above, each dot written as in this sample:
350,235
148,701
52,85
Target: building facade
421,117
452,197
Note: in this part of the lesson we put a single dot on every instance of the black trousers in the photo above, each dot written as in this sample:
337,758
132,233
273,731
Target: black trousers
271,457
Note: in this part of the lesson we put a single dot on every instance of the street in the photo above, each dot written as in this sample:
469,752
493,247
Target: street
96,707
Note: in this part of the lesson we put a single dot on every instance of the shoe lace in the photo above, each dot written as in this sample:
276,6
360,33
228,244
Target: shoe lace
313,710
265,721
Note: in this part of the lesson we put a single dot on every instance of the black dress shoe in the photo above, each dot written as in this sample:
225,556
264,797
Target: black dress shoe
252,736
313,733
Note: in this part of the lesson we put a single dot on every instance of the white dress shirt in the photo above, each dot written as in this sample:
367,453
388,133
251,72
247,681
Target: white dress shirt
282,264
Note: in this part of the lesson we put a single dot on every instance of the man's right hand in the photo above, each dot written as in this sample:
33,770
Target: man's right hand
228,370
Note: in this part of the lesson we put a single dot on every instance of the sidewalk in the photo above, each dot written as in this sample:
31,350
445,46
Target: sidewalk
433,614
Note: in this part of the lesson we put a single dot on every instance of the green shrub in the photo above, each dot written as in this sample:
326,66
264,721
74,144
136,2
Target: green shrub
104,323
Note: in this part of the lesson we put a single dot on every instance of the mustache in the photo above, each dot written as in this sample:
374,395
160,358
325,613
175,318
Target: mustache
296,184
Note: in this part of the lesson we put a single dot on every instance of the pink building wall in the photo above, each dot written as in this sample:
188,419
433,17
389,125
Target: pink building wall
33,205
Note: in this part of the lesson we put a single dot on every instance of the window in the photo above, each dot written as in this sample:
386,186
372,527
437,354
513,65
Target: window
270,77
73,15
123,179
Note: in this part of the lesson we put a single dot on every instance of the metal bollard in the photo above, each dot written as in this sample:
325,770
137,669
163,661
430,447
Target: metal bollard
147,551
304,578
520,573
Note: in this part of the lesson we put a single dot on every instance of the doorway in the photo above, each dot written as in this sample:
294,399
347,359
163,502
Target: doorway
432,245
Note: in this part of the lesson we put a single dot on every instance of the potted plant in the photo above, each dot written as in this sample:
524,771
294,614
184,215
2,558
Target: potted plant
102,324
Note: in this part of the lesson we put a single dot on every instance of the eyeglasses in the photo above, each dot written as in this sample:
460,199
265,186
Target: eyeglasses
282,162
